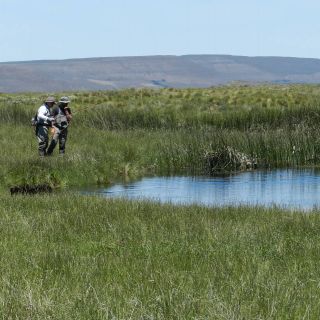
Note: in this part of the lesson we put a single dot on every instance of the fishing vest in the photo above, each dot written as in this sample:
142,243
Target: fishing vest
60,118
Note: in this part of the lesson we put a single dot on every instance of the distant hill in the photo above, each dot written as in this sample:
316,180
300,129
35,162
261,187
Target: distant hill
153,71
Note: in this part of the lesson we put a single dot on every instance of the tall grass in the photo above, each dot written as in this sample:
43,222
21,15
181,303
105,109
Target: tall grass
238,107
95,156
225,107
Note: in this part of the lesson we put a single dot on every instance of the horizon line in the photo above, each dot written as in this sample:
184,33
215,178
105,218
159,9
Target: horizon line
155,55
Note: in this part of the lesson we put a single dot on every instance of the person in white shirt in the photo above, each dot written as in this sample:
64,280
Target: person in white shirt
44,122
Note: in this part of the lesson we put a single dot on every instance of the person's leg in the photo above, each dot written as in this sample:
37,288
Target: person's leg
42,136
63,140
54,141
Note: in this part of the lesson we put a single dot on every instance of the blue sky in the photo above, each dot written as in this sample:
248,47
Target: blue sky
62,29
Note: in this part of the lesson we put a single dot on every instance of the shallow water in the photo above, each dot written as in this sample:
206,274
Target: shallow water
292,189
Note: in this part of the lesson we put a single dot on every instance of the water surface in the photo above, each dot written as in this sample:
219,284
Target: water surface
293,189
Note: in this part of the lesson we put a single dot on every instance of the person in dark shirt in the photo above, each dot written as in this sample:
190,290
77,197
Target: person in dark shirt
62,117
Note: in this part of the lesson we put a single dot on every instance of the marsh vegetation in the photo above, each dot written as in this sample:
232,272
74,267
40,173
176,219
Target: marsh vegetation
139,131
65,256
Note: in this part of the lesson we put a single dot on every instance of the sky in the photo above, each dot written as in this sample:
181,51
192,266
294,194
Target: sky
65,29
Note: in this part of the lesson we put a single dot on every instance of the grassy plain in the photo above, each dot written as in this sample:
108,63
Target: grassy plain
75,257
68,256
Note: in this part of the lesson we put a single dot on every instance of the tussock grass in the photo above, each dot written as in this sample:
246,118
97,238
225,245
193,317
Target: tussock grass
239,107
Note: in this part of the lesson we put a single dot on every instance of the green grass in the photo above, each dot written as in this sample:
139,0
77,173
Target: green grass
98,156
68,256
240,107
75,257
142,131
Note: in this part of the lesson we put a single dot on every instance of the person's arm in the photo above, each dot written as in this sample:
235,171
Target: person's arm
43,114
67,112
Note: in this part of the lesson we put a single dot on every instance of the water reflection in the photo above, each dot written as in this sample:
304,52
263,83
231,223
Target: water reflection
296,189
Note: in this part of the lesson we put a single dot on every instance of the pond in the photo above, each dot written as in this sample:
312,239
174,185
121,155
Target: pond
291,189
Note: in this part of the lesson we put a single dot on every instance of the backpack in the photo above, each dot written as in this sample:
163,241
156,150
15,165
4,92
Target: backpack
34,120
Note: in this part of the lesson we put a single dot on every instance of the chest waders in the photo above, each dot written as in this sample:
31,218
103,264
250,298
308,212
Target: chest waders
42,136
60,133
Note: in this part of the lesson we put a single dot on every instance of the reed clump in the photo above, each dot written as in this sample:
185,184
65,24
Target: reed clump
228,159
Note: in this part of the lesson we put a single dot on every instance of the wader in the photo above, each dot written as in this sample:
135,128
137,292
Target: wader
61,136
42,136
43,124
60,132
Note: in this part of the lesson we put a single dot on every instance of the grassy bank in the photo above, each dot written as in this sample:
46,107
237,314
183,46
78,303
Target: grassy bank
98,156
134,132
74,257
